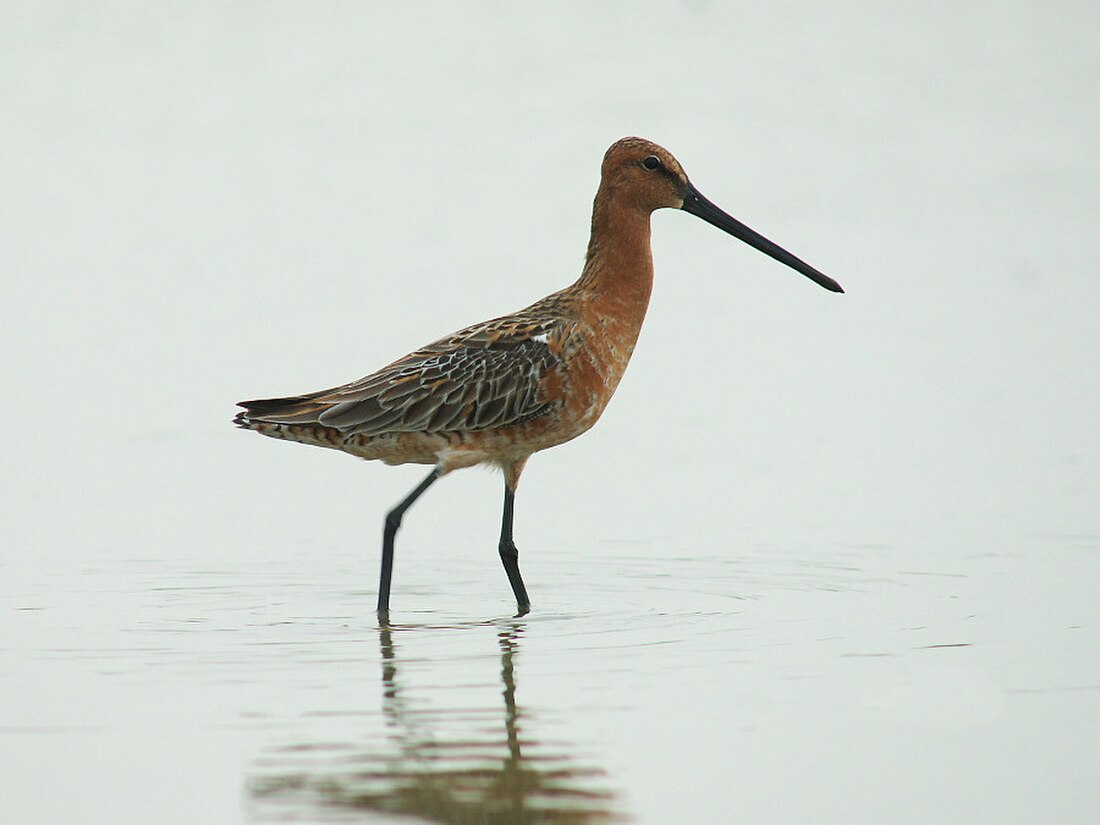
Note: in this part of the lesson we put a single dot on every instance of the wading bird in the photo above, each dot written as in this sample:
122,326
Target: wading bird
499,391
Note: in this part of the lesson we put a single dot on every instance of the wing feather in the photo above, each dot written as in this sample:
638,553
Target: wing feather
482,377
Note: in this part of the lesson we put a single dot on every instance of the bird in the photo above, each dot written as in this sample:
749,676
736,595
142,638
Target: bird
497,392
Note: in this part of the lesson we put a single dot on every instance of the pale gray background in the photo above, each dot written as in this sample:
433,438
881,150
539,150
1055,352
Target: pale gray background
740,576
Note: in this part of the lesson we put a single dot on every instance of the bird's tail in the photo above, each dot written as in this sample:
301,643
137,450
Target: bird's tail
295,418
297,409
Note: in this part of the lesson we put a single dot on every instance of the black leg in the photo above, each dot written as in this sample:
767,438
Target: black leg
393,521
510,555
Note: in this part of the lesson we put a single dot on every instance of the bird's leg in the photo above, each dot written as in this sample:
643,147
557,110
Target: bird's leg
393,521
510,555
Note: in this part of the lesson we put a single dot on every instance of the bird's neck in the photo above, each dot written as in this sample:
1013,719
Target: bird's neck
618,268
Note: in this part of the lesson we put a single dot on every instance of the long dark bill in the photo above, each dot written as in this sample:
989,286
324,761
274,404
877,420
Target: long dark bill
699,206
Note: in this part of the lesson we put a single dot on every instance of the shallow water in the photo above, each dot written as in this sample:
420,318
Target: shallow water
825,558
934,686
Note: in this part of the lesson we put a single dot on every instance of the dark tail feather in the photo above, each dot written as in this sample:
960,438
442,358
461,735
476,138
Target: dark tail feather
298,409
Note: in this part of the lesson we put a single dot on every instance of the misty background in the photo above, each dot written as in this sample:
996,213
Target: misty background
208,202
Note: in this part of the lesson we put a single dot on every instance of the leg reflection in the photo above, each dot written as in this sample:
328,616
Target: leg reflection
446,752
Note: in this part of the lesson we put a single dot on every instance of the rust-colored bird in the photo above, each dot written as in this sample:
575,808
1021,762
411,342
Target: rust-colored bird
496,392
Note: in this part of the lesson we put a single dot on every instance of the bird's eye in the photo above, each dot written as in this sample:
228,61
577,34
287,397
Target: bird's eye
652,162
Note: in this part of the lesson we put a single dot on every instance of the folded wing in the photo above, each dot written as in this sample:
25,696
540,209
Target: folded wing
480,379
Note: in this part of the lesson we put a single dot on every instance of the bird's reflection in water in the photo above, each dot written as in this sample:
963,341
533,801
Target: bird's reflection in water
438,766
